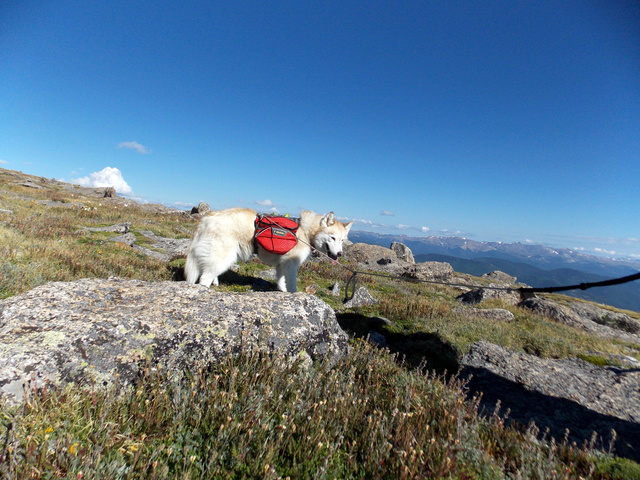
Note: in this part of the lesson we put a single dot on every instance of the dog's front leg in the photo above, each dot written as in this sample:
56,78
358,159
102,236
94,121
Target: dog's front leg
287,276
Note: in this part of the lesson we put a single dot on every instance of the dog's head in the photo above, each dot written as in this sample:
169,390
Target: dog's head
331,236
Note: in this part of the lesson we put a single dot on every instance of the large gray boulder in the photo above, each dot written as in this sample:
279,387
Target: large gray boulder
94,331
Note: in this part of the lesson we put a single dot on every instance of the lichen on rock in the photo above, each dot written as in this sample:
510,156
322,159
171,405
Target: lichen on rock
92,331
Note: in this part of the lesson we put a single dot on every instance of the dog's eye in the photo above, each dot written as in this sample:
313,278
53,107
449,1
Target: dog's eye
333,238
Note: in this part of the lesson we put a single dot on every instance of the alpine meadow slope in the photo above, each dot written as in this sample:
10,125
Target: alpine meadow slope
423,391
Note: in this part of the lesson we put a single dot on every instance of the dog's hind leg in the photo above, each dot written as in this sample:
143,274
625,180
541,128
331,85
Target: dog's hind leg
208,277
213,270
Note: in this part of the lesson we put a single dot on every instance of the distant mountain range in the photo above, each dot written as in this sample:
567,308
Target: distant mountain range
535,265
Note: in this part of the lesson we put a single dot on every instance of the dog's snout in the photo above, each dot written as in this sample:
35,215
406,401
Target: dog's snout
339,254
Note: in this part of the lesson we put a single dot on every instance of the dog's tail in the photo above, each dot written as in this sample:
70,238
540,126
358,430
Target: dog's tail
191,269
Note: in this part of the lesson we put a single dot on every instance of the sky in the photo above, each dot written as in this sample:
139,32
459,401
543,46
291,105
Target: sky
492,120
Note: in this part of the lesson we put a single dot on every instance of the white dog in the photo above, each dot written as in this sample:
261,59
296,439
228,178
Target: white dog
226,236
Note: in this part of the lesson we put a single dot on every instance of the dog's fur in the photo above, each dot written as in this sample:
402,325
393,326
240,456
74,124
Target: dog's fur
226,236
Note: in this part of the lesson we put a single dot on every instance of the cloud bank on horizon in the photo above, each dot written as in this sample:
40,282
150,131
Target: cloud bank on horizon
107,177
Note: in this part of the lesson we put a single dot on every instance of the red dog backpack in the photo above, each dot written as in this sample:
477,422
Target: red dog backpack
276,234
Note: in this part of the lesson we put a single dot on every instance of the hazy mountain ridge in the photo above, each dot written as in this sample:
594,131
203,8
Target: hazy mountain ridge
534,265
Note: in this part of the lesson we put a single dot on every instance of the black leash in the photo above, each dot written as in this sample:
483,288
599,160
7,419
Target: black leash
524,291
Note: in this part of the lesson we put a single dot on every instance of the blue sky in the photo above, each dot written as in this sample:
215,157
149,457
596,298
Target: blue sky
494,120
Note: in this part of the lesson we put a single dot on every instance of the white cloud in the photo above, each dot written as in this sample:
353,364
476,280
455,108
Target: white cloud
387,213
424,229
3,162
135,146
265,203
402,227
107,177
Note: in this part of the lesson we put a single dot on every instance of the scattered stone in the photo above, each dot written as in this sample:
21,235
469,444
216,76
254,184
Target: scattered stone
500,277
109,192
336,289
171,248
128,239
361,298
32,185
9,212
201,209
403,252
479,295
430,271
120,228
91,331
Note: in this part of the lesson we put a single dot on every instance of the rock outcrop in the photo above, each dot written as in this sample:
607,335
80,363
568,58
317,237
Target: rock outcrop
584,317
93,331
559,394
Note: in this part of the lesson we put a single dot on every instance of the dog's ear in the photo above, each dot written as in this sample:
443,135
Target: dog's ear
347,227
328,220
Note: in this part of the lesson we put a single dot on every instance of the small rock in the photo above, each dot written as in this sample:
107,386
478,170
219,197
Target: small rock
121,228
500,277
128,239
430,271
201,209
360,298
403,252
479,295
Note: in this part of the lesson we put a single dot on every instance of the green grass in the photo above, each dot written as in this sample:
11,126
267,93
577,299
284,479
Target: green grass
252,416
